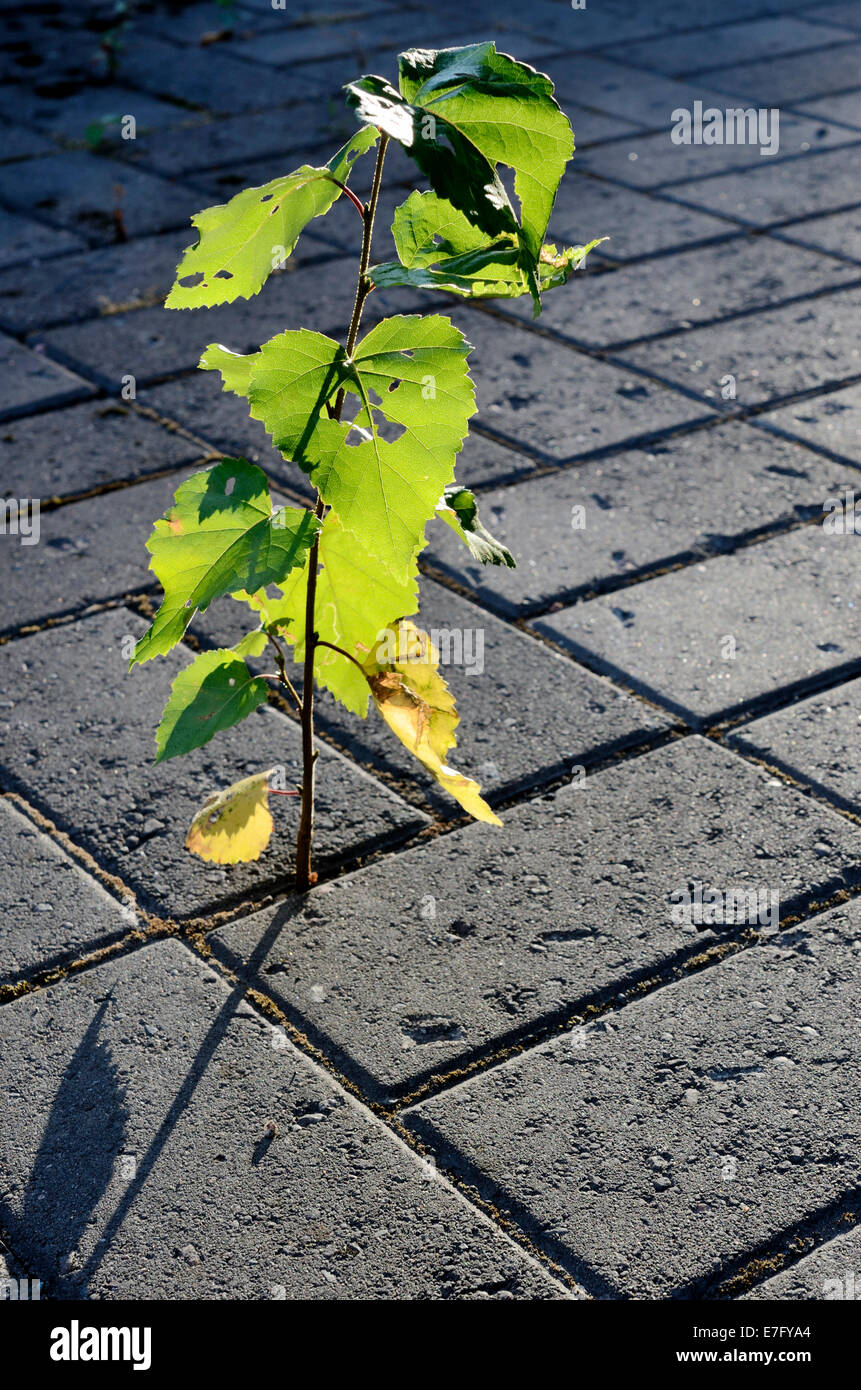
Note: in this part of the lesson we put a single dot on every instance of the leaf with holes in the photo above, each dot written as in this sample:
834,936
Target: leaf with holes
215,692
233,826
459,510
243,241
221,534
409,378
413,699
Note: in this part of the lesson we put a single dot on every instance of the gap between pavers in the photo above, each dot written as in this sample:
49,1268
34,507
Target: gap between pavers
31,381
50,910
832,1273
78,741
515,698
213,1160
650,1151
454,950
597,524
814,740
718,639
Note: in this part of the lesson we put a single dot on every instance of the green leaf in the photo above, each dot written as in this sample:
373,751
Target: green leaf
506,110
355,602
439,249
409,377
252,644
215,692
243,241
460,510
220,535
455,168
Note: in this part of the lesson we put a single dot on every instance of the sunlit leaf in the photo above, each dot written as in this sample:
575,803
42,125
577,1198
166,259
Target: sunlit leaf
221,534
243,241
233,826
413,699
459,510
215,692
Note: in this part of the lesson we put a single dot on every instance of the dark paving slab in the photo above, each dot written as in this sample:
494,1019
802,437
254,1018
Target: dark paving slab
30,380
609,518
17,142
763,194
389,30
831,422
792,78
153,343
133,816
90,284
49,908
843,108
711,639
643,97
71,451
839,232
222,83
413,965
82,192
653,161
637,226
22,239
831,1272
221,421
653,1148
697,52
545,396
137,1065
69,117
87,552
767,355
500,678
686,289
812,740
242,140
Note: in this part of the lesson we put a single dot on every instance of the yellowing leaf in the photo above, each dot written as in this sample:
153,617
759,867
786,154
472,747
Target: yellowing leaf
233,826
412,697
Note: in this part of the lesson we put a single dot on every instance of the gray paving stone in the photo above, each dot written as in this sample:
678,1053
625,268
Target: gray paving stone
65,452
831,422
843,109
221,421
691,287
499,678
839,232
16,142
595,128
67,699
847,14
90,284
31,380
389,30
86,552
154,343
643,97
547,397
50,910
764,195
637,226
163,1081
22,239
811,739
833,1273
793,78
609,518
221,83
653,161
68,117
415,964
654,1147
81,192
243,139
729,43
712,638
767,355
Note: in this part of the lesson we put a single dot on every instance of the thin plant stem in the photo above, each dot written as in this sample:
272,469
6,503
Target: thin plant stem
304,876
